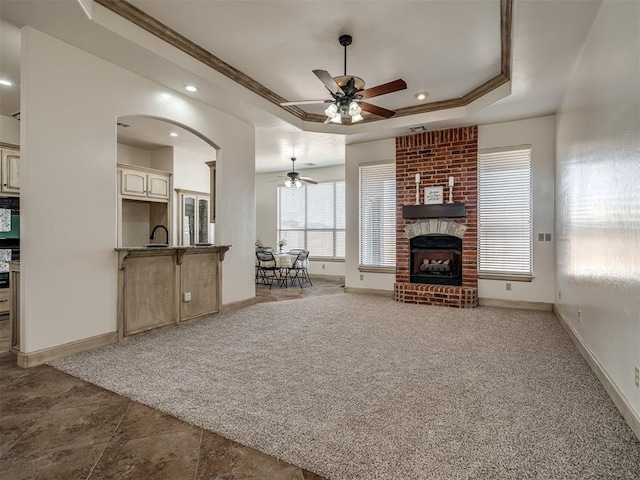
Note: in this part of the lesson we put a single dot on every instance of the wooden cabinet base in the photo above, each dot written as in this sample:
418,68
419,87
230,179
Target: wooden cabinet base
164,286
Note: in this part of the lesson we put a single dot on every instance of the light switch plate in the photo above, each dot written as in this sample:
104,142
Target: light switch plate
547,237
541,237
187,296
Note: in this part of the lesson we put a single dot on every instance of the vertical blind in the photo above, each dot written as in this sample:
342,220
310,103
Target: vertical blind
505,211
312,217
377,215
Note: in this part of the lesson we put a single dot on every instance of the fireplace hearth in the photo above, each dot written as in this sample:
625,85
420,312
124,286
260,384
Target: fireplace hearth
436,259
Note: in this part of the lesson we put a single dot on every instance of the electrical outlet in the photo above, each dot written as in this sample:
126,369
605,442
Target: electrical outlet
362,276
323,266
508,286
559,294
187,296
579,315
637,377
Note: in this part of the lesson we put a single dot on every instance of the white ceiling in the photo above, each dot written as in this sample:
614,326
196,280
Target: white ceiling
444,47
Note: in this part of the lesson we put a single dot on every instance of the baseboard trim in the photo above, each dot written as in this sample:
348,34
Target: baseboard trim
229,307
624,406
499,302
369,291
319,276
33,359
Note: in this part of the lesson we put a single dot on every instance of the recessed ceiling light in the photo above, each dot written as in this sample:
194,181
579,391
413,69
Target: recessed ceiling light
6,83
173,134
421,95
190,88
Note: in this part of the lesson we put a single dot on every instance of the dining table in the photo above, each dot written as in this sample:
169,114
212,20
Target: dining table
285,260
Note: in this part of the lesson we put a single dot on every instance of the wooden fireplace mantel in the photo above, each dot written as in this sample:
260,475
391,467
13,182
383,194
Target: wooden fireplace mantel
448,210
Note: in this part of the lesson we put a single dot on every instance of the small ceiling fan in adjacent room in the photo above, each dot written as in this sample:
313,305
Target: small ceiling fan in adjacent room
348,92
293,178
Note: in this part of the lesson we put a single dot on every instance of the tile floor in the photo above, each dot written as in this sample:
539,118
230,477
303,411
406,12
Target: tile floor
55,426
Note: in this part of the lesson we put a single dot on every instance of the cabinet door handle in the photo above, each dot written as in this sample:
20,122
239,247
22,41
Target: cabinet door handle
3,301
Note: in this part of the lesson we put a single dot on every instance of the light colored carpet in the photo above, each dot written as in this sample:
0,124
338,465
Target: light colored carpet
361,387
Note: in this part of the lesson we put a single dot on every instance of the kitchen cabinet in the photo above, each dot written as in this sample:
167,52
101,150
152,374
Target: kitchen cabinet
194,217
140,183
10,172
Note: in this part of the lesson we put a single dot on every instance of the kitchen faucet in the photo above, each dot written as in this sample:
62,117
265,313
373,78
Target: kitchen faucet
153,232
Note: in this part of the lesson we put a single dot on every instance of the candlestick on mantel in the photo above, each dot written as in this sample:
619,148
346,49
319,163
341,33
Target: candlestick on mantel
450,190
417,189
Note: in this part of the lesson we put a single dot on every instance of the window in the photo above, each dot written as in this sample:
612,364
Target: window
312,217
378,215
505,212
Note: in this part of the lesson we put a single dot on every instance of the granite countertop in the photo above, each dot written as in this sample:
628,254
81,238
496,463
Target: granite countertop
171,247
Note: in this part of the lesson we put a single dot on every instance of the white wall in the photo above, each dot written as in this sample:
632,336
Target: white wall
598,196
9,130
266,212
540,134
70,101
380,150
133,155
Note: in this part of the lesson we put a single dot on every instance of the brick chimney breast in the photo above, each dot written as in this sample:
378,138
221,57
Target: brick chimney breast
436,156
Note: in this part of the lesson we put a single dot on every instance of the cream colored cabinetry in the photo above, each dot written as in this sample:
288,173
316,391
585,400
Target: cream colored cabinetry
144,184
194,217
10,172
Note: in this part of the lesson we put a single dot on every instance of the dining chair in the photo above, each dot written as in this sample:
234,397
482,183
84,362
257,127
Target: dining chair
297,270
267,269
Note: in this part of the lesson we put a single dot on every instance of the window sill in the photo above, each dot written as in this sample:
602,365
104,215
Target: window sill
377,269
326,259
505,276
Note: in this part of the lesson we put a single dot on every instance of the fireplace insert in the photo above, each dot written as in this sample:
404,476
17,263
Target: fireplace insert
436,259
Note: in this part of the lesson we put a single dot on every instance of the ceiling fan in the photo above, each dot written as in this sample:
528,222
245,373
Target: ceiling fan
348,92
294,179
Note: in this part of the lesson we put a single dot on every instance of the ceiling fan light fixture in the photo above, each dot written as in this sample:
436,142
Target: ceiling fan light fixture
336,119
356,118
298,183
343,80
287,183
331,111
354,109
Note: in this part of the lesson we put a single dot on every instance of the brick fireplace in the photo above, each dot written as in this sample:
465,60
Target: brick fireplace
432,241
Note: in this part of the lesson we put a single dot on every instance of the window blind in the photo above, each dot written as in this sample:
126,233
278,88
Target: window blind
505,212
312,217
377,193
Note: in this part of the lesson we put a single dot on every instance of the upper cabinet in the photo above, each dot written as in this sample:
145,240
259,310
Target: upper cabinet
140,183
194,217
10,172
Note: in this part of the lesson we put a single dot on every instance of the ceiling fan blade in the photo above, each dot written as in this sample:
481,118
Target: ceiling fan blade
383,89
304,102
307,180
383,112
328,81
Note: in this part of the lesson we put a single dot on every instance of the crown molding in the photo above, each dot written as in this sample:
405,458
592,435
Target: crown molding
182,43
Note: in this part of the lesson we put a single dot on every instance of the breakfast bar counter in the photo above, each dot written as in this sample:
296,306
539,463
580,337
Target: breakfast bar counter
160,286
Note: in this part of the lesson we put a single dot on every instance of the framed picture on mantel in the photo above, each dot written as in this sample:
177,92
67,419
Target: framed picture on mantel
433,195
